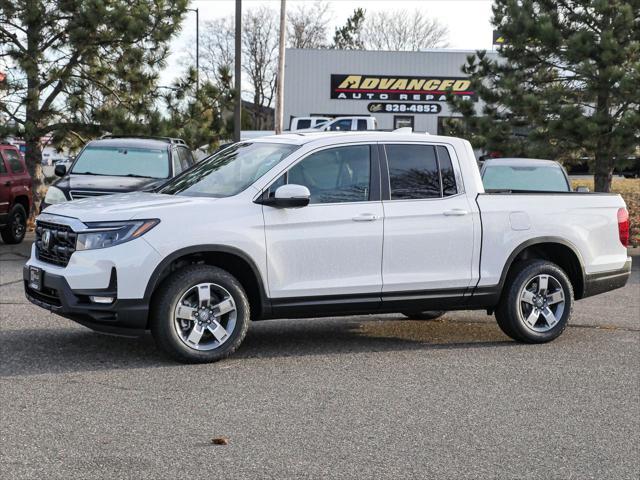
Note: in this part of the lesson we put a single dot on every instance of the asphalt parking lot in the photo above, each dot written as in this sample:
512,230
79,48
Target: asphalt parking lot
361,397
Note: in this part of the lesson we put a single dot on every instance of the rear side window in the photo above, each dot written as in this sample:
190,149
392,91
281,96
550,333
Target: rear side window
413,172
362,124
304,124
446,172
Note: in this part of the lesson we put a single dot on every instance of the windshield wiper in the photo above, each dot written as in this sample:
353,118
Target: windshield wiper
137,176
90,173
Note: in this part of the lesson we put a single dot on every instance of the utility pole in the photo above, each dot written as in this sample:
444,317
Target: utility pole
238,59
280,85
197,48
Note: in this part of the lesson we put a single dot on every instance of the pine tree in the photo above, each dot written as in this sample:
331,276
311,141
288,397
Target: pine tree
80,66
349,36
565,84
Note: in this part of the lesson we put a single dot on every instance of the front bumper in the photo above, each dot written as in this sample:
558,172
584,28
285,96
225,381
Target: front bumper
122,317
597,283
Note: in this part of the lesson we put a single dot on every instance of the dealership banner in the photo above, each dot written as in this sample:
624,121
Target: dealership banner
403,88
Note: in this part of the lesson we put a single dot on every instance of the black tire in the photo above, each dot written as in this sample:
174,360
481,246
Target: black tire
16,228
164,326
426,315
512,309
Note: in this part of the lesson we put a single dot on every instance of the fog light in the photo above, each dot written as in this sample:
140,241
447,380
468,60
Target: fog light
101,299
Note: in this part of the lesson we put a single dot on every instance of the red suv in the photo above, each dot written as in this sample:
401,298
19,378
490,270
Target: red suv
15,194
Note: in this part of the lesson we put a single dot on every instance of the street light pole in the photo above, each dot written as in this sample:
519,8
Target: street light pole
197,48
280,85
238,60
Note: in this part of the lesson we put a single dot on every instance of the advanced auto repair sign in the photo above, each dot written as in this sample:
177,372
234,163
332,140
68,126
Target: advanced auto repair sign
403,88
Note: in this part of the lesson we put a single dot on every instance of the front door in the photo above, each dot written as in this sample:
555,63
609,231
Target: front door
5,186
333,246
429,225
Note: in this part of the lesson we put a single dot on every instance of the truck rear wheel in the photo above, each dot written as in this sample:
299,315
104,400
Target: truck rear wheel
200,314
536,304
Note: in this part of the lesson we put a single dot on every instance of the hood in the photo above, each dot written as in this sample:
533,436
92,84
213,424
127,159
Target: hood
106,183
122,206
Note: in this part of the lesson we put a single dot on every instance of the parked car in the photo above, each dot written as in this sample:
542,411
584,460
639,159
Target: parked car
302,123
632,169
15,194
310,225
117,164
524,174
342,124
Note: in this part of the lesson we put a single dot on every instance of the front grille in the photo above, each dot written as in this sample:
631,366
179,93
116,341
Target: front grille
62,243
78,194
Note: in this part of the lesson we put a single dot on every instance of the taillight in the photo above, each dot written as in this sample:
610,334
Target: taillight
623,226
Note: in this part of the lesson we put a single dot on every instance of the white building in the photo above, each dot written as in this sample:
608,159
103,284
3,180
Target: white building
401,89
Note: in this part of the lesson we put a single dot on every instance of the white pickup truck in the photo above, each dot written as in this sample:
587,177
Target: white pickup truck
309,225
343,124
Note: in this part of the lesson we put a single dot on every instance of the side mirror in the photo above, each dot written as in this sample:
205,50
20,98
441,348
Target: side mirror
582,189
60,170
289,196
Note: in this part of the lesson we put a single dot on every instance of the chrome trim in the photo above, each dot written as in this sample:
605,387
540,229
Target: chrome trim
79,194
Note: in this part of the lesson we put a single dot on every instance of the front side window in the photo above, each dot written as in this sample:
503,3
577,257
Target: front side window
341,125
177,166
15,164
413,172
123,162
229,171
334,175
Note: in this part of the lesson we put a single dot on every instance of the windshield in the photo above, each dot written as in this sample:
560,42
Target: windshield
123,162
542,178
229,171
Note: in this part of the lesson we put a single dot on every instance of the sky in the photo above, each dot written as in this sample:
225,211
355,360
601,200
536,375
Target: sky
467,20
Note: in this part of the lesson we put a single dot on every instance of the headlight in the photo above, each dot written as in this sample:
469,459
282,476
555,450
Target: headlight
54,195
108,234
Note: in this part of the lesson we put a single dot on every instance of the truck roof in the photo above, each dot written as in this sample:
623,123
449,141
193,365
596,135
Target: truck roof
302,138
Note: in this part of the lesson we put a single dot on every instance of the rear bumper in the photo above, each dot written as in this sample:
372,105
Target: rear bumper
122,317
597,283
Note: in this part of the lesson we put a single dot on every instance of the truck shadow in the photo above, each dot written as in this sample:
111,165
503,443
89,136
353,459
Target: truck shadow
63,350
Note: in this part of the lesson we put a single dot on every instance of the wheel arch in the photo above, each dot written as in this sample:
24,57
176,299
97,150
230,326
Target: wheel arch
24,201
557,250
231,259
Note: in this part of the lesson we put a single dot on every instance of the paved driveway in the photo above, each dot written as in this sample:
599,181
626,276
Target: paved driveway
359,397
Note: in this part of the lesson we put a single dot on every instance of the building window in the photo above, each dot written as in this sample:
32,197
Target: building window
402,121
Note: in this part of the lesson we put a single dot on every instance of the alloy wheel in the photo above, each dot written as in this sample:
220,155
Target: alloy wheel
205,316
541,303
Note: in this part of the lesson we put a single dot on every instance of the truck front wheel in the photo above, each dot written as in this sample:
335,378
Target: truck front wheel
200,314
536,303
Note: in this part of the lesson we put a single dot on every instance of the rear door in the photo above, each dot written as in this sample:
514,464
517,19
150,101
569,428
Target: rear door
428,227
333,246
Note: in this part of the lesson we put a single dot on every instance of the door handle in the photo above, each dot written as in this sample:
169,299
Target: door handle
456,212
365,217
